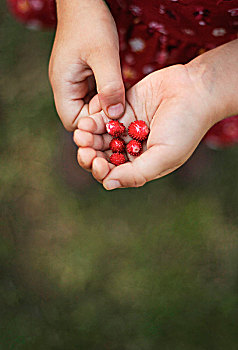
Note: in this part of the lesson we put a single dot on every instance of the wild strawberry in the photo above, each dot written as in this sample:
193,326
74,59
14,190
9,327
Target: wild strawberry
134,148
115,128
117,158
117,145
138,130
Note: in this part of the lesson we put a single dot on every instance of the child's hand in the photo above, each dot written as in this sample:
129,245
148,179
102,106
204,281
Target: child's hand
178,117
85,49
180,103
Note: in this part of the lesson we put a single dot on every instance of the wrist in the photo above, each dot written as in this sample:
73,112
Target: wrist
215,75
203,78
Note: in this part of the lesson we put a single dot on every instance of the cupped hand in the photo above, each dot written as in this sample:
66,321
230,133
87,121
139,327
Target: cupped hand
179,112
85,61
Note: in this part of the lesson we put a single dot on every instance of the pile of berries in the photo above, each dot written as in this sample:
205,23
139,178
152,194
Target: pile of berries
137,130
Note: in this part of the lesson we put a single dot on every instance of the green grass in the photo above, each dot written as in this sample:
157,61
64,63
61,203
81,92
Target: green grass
139,269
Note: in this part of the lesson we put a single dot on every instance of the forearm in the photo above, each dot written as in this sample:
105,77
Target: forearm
84,23
216,73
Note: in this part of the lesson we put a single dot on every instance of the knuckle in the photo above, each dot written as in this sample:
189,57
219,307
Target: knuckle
67,125
140,181
64,115
65,121
113,89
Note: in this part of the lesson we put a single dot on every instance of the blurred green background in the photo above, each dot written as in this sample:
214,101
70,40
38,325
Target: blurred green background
82,268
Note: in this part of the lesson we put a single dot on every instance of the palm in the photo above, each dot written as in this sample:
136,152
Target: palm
169,102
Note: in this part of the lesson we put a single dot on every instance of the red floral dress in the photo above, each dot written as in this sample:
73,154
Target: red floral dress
157,33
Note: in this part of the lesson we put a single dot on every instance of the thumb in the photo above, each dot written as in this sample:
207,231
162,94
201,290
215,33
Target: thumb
105,64
157,161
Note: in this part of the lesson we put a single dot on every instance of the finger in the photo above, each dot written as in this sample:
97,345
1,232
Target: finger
94,105
87,139
95,124
127,118
105,64
86,156
101,168
69,95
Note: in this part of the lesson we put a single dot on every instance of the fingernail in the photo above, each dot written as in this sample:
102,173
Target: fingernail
112,184
116,110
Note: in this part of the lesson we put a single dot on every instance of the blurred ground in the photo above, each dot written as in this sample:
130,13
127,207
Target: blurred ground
142,269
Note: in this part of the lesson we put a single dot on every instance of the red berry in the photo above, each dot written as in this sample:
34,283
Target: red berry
117,145
117,158
138,130
134,148
115,128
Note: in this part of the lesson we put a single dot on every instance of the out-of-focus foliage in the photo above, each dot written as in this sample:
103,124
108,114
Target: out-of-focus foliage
142,269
